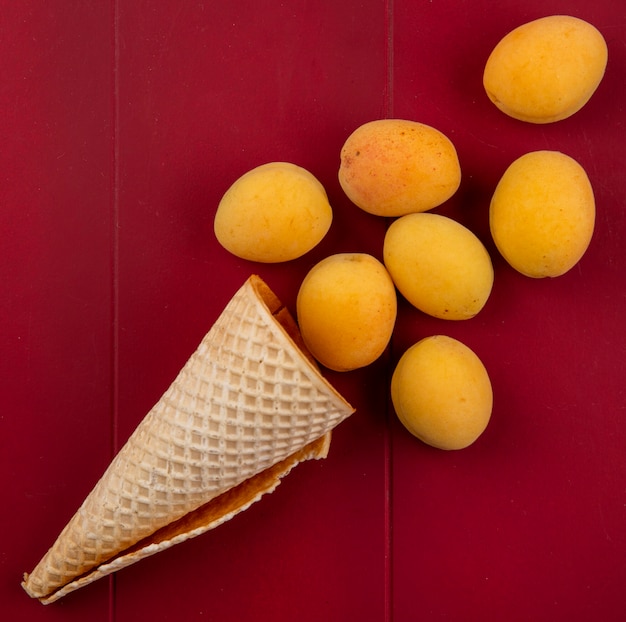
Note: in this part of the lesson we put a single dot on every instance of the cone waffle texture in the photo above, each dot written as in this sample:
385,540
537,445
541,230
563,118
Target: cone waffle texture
247,406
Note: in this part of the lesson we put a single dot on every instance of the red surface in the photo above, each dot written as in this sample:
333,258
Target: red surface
123,122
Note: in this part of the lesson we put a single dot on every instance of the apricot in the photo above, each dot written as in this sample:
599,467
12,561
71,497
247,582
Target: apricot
542,214
547,69
442,393
438,265
346,309
273,213
393,167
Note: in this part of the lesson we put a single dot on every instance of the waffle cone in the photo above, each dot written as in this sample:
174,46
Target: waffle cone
247,407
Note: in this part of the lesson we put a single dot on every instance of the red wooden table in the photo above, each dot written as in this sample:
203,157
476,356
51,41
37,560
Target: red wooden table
122,124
